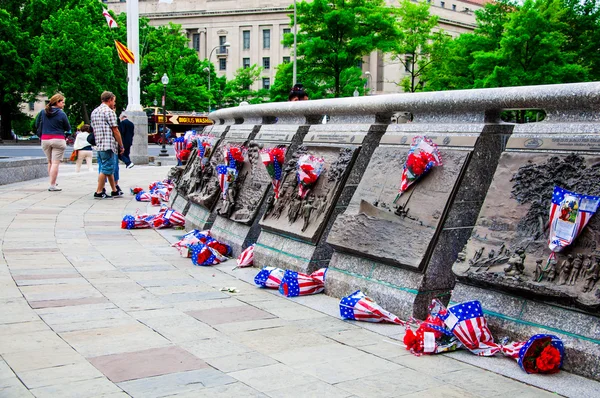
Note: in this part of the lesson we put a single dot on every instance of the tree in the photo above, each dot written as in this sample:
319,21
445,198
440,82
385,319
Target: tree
531,50
76,56
420,48
335,35
239,88
14,47
166,51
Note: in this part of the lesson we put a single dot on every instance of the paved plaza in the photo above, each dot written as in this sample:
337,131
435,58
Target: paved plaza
92,310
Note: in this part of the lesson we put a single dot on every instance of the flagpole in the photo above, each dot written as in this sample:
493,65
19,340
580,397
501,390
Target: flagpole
133,43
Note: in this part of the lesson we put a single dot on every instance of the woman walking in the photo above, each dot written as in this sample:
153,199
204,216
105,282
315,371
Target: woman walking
51,124
83,148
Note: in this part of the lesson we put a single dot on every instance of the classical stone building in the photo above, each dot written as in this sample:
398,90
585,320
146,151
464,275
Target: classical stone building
255,30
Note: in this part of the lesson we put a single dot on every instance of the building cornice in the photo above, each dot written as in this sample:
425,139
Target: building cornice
204,13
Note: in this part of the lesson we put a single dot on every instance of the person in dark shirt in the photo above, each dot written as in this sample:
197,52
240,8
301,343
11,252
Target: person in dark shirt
126,127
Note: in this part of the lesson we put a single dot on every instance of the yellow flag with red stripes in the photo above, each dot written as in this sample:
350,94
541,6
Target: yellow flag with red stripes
124,53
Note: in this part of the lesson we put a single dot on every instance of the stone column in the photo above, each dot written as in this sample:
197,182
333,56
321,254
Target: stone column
139,149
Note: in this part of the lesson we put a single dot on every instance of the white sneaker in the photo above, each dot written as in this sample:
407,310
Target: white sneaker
130,165
54,189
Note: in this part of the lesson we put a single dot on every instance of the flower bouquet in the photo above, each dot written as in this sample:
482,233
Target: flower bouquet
143,196
309,170
134,222
431,335
136,190
222,248
168,218
234,158
227,175
269,277
360,307
543,353
422,156
203,255
273,159
205,148
296,284
246,258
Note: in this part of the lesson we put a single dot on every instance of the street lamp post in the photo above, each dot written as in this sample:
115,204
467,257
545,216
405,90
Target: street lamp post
368,74
226,44
164,80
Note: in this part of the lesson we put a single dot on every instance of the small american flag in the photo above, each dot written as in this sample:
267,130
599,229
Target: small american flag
246,257
174,218
203,255
143,197
269,277
468,324
131,222
360,307
296,284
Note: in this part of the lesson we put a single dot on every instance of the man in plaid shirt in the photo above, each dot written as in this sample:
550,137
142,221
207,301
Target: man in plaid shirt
108,144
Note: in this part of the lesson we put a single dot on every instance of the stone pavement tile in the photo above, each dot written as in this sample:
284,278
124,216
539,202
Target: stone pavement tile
146,363
137,301
214,347
346,369
56,281
17,391
30,341
217,316
176,383
9,290
355,338
25,277
297,312
273,377
526,392
77,389
147,268
119,287
23,361
94,324
245,326
59,375
298,356
388,383
165,290
167,282
439,392
59,292
325,325
480,382
316,389
114,340
143,315
23,327
67,303
386,348
207,304
274,340
194,296
180,328
237,390
82,313
242,361
429,364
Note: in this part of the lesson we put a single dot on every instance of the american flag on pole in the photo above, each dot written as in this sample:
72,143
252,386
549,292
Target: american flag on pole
109,19
296,284
569,214
360,307
467,323
269,277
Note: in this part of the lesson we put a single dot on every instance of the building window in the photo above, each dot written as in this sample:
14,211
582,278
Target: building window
286,60
222,48
442,4
246,63
266,63
196,41
266,83
223,64
246,44
453,7
286,31
266,38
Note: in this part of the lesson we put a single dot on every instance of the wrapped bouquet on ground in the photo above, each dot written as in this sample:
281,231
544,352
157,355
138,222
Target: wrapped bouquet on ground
246,258
191,238
269,277
360,307
296,284
203,255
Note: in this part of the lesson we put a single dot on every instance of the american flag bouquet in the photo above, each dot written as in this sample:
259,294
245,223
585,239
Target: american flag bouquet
273,159
189,239
234,159
155,200
136,190
431,336
205,148
569,214
205,256
296,284
135,222
179,146
221,248
168,217
542,353
360,307
309,170
246,257
423,155
143,196
269,277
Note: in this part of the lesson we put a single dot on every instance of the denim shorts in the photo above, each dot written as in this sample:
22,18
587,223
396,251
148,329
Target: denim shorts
106,162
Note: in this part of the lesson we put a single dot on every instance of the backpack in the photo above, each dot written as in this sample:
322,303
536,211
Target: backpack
91,139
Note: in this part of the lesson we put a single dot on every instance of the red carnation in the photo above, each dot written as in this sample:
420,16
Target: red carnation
219,247
203,256
549,360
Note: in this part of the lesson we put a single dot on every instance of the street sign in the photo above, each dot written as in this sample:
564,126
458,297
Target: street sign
185,119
